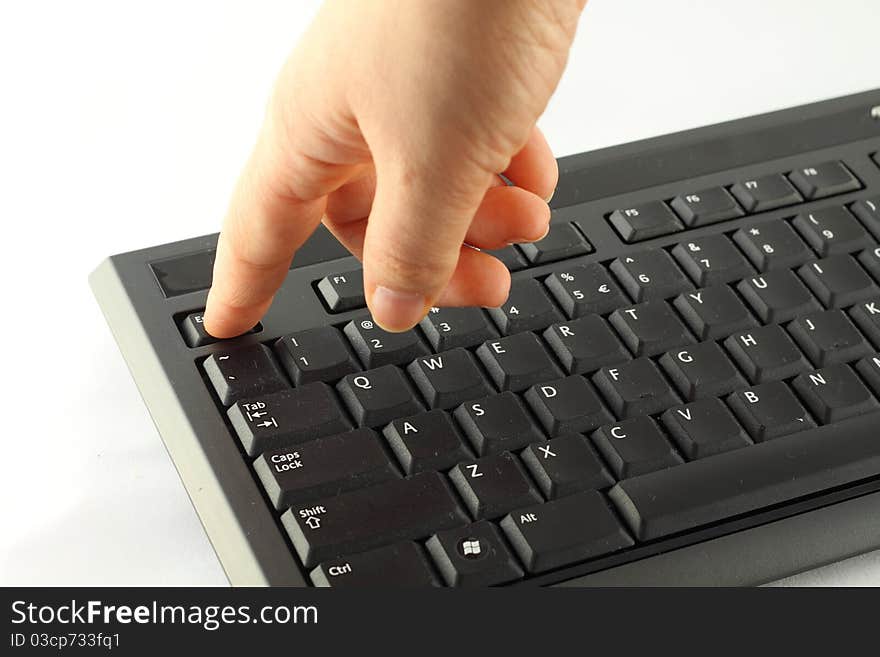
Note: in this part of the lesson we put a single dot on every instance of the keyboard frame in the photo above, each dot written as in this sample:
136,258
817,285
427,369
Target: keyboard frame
763,546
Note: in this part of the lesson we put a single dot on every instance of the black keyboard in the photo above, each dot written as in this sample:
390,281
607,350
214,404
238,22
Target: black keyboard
682,387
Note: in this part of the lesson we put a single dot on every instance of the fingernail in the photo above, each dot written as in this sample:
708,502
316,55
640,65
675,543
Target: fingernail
394,310
550,198
526,240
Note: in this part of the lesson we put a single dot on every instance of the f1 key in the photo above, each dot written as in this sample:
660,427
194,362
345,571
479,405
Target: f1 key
344,291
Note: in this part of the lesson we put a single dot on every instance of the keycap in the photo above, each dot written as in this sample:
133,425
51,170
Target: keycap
650,328
585,344
769,410
510,256
867,317
428,441
743,480
448,379
517,361
704,428
766,353
563,241
832,230
870,260
193,329
765,193
276,420
323,467
838,281
826,179
714,312
702,370
497,423
343,291
777,296
828,338
317,354
363,519
566,465
244,372
474,555
876,158
564,531
834,393
642,222
712,260
634,446
527,308
772,245
447,328
376,347
567,405
493,485
869,369
635,388
707,206
376,397
586,289
401,565
868,211
650,275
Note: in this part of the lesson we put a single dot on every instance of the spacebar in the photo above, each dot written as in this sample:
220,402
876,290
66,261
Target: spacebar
730,484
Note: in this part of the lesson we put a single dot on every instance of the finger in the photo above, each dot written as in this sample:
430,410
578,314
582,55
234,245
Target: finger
479,280
508,215
534,168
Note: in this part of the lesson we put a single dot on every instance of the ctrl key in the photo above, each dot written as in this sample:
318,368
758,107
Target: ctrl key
402,565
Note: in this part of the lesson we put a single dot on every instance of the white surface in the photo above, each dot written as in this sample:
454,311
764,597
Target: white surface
123,125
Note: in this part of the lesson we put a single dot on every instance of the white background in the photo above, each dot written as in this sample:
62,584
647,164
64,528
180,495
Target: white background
123,125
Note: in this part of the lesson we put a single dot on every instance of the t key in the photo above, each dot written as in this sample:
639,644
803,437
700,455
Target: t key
650,328
650,275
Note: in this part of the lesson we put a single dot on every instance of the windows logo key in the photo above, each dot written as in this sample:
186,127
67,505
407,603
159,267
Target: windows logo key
470,548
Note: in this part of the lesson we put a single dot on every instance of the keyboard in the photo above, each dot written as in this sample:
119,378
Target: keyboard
683,386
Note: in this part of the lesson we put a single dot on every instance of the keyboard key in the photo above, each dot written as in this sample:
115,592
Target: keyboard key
867,317
527,308
244,372
634,447
497,423
193,329
832,230
566,465
766,353
447,328
765,193
317,354
475,555
585,290
712,260
517,362
650,275
826,179
564,531
644,221
869,368
838,281
702,370
376,347
376,397
567,405
704,428
563,241
650,328
707,206
635,388
769,410
585,344
511,257
834,393
401,565
870,260
493,485
868,211
772,245
448,379
777,296
828,338
429,441
343,291
714,312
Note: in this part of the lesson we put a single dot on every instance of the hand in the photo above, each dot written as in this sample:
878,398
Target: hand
391,122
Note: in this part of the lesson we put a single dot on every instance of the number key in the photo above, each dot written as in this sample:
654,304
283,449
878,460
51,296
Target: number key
318,354
377,347
832,230
585,290
772,245
527,308
447,328
650,275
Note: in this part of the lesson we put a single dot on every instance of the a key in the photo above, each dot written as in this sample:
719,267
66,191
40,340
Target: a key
448,379
766,353
323,467
497,423
869,368
712,260
376,397
642,222
765,193
343,291
586,289
866,316
429,441
832,230
401,565
376,347
838,281
566,465
244,372
714,312
650,275
702,370
447,328
769,410
585,344
317,354
276,420
868,211
826,179
517,361
527,308
870,260
834,393
777,296
493,485
563,241
474,555
634,446
772,245
704,428
360,520
707,206
828,338
567,405
511,257
635,388
564,531
193,329
650,328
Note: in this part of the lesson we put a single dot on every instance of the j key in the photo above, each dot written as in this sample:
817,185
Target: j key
375,346
708,206
360,520
376,397
277,420
702,370
475,555
829,337
838,281
826,179
497,423
773,245
870,260
493,485
585,290
777,296
645,221
585,344
510,256
193,329
869,368
244,372
517,362
868,210
712,260
634,447
714,312
401,565
769,410
323,467
564,531
318,354
650,328
563,241
704,428
447,328
566,465
448,379
527,308
867,317
765,193
567,405
832,230
343,291
429,441
650,275
834,393
635,388
766,353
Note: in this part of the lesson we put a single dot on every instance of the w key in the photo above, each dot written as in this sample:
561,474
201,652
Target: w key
448,379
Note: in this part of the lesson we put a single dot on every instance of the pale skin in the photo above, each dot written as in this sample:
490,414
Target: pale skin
390,123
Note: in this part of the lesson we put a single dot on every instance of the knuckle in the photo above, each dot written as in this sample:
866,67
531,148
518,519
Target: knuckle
413,270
